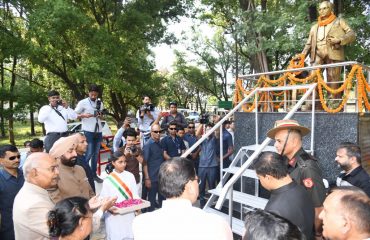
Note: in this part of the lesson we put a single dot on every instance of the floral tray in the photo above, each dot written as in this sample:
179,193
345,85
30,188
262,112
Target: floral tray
132,208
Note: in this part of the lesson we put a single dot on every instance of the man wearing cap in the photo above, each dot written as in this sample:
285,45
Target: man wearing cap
173,116
302,167
73,180
54,117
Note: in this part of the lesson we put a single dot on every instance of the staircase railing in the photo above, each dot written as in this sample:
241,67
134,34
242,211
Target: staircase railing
227,189
218,125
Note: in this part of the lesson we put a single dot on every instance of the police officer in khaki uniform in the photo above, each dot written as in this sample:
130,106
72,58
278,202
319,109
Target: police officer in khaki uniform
303,167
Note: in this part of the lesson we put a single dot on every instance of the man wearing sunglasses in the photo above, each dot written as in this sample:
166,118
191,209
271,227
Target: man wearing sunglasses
173,146
11,181
153,156
302,167
192,139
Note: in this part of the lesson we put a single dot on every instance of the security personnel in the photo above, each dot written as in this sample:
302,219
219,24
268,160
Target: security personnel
303,167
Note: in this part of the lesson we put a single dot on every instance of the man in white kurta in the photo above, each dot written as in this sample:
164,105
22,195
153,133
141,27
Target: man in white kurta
178,219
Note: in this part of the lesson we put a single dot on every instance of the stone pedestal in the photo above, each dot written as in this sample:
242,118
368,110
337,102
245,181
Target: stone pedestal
329,131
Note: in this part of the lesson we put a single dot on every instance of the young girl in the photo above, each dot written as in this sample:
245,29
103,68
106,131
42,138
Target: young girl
122,184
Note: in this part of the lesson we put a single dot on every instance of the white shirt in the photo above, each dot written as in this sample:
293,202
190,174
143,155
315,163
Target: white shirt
178,219
51,119
88,106
144,123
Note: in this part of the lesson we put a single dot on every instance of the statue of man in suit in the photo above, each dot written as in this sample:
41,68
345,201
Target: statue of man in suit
326,41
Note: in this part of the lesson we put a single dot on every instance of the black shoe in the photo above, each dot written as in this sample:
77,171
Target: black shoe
98,179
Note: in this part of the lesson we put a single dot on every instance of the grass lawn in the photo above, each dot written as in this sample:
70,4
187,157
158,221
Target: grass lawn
22,132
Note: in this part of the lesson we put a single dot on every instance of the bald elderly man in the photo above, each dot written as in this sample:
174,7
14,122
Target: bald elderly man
32,202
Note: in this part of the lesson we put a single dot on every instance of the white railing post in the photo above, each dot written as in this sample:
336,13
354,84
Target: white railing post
256,115
313,120
240,171
221,154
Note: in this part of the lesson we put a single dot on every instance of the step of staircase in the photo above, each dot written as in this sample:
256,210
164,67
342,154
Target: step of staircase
247,173
237,224
244,198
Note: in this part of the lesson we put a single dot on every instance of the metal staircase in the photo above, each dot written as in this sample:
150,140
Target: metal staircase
228,199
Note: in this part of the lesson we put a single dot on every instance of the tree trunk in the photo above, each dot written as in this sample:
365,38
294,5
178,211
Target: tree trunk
312,12
259,61
32,106
2,119
338,7
11,102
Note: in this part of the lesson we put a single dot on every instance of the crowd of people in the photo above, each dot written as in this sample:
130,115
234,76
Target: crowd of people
51,193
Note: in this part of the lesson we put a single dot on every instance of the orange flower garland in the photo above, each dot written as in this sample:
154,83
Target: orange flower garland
327,21
362,89
322,99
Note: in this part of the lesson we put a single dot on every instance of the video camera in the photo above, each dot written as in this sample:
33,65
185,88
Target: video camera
98,112
133,149
146,108
204,118
60,102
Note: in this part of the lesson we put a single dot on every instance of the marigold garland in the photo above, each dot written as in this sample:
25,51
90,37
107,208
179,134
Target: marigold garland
294,63
362,88
327,21
322,99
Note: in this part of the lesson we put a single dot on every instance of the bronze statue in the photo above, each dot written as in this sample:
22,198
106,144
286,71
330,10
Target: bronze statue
327,40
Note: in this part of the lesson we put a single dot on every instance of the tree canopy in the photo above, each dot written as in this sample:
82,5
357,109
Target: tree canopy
67,45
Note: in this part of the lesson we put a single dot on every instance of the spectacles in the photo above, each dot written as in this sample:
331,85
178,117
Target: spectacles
172,128
14,157
52,168
156,132
198,180
191,127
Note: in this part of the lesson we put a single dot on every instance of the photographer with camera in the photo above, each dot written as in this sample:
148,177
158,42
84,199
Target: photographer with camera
134,157
55,117
146,115
91,112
